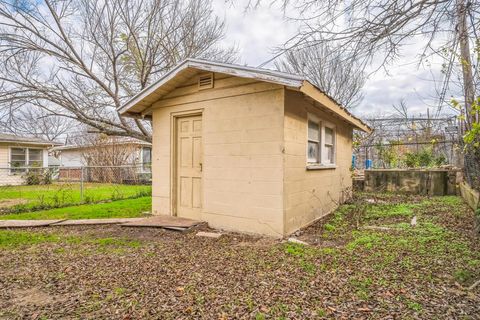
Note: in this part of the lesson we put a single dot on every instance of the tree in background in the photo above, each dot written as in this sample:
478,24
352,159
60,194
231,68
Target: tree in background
109,159
83,59
36,122
377,30
329,69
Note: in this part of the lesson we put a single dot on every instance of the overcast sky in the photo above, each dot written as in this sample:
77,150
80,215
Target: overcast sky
257,32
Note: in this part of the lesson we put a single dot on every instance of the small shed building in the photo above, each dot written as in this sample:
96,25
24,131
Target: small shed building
245,149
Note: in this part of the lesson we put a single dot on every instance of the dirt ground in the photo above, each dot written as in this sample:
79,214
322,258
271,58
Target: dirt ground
364,262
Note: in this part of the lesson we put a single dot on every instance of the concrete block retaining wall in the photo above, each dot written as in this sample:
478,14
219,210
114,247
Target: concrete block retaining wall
435,182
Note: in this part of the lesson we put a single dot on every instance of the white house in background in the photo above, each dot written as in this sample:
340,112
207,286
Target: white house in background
17,153
76,155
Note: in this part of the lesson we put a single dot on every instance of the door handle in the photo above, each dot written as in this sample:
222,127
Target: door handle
201,167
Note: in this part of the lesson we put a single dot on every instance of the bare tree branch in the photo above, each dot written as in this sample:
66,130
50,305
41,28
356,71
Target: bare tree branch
329,70
83,59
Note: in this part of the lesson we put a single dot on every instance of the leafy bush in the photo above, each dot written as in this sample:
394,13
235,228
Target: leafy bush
423,158
32,177
411,160
36,177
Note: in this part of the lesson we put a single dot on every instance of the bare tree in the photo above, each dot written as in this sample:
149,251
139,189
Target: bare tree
377,30
37,123
102,150
329,70
83,59
105,158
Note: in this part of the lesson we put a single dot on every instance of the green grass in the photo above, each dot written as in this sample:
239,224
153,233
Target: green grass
12,239
129,208
9,238
399,245
56,195
380,211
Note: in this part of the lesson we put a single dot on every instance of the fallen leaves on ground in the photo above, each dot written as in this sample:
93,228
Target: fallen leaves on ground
346,272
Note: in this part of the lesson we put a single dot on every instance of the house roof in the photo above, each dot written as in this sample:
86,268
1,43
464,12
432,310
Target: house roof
140,104
127,141
14,139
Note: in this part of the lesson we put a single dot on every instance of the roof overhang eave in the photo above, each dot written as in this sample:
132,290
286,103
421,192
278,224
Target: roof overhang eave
316,94
30,143
238,71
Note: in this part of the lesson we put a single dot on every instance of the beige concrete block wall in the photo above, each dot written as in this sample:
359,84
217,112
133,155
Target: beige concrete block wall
243,160
311,194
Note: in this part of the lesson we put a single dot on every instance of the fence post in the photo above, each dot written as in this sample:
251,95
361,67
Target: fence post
81,184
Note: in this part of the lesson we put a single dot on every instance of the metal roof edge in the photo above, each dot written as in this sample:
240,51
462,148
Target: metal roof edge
335,107
266,75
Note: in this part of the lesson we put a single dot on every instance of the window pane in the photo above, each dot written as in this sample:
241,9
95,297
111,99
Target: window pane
312,152
16,164
329,154
35,158
17,159
147,158
35,154
18,151
147,155
313,131
329,135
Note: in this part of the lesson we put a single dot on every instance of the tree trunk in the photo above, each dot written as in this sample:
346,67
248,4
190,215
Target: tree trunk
468,86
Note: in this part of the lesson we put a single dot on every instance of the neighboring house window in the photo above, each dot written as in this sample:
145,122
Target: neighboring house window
146,159
321,142
25,157
35,157
18,159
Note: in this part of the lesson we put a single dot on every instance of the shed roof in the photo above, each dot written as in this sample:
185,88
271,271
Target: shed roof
14,139
139,105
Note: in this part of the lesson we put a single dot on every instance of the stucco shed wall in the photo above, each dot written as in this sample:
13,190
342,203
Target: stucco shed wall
311,194
242,161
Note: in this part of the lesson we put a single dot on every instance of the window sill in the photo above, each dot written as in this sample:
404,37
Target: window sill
321,166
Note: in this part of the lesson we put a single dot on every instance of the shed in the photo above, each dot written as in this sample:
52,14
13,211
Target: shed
245,149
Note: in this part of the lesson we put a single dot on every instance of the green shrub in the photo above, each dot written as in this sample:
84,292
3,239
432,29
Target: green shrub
423,158
33,177
47,177
38,176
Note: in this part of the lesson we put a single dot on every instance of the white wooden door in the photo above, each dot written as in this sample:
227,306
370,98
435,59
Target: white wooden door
189,166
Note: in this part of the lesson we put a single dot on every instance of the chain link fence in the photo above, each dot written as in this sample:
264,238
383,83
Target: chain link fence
25,189
406,155
472,168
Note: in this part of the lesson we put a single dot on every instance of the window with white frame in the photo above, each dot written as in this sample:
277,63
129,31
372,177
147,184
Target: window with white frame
321,142
329,145
314,143
25,157
147,159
